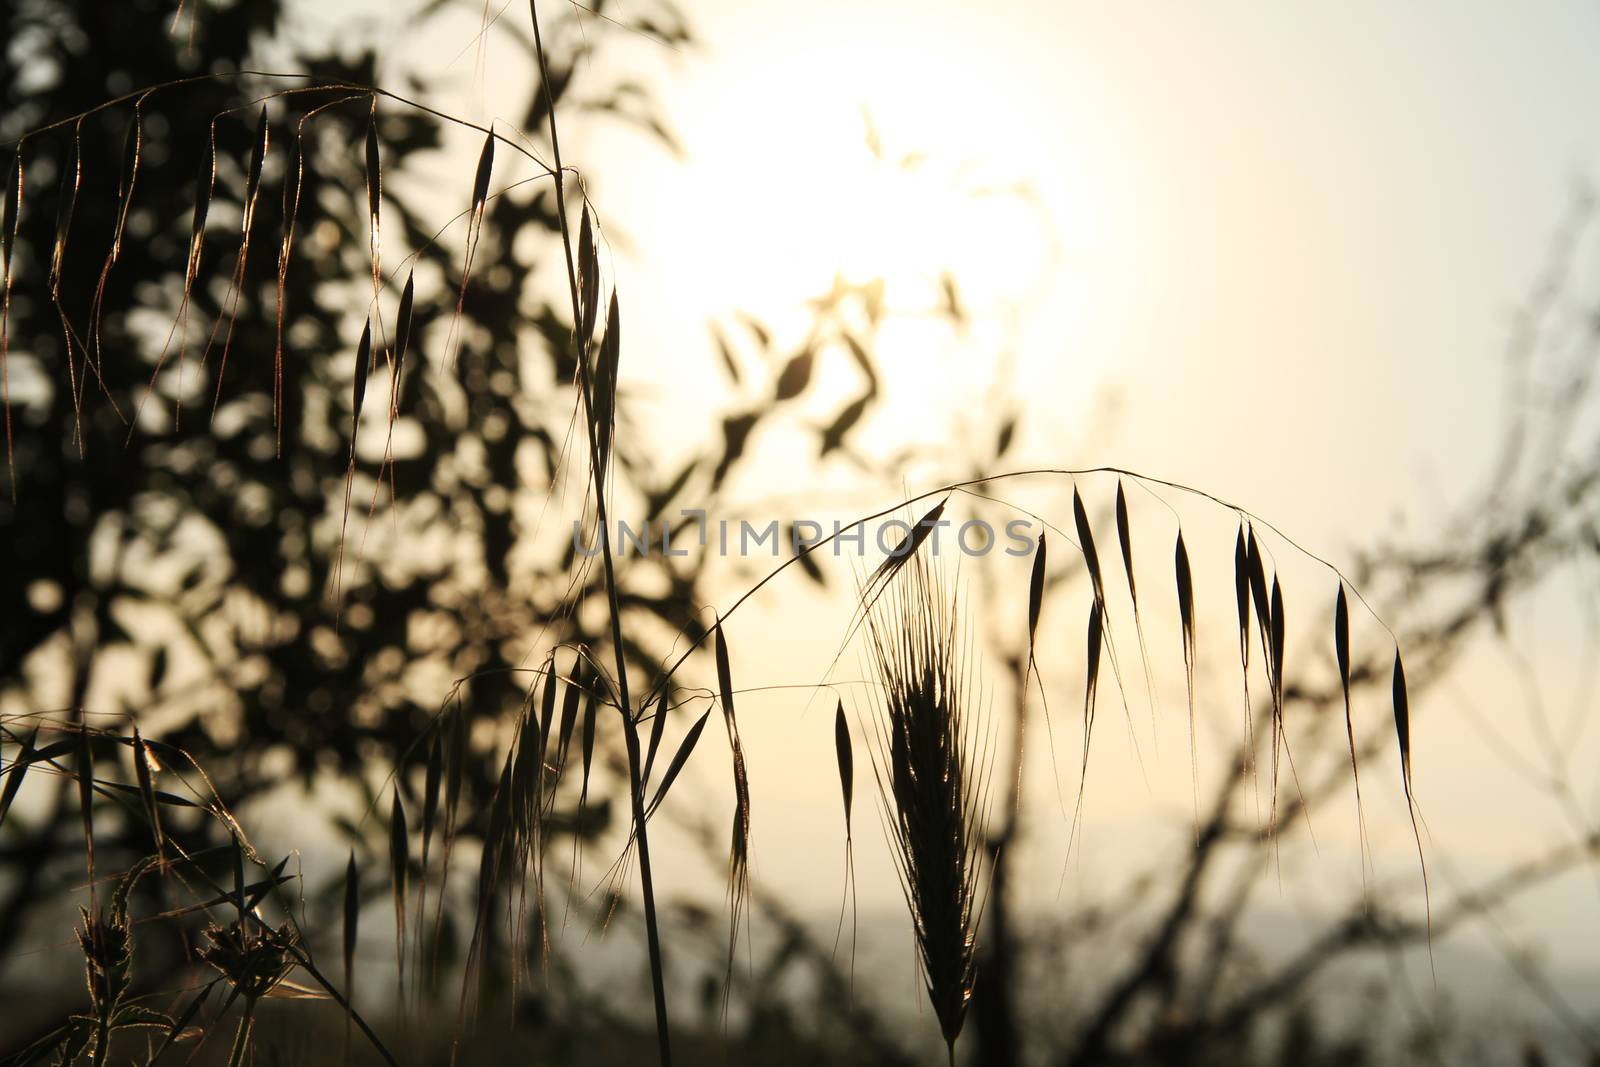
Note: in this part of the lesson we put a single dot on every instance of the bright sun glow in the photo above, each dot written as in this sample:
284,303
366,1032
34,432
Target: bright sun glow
922,167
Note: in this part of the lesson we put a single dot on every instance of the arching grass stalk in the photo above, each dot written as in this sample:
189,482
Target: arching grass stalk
584,315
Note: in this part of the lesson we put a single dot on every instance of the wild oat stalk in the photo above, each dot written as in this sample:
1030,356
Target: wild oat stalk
931,762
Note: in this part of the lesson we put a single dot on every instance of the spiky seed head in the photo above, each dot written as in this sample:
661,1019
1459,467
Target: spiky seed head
931,761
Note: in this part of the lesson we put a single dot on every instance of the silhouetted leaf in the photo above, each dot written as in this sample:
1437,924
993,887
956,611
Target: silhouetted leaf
1008,433
795,377
832,436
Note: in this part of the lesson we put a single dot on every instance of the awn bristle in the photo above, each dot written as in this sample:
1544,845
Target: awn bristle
932,763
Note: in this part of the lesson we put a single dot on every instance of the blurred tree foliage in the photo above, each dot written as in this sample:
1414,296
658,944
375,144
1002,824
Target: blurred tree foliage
174,538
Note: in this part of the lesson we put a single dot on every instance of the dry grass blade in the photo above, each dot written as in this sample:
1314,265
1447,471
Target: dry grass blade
252,189
932,775
430,794
374,197
10,217
402,343
454,772
352,918
432,780
569,716
402,335
480,180
1125,543
14,773
1255,573
605,387
1091,561
132,147
205,183
739,855
66,202
587,746
475,214
1185,580
1260,598
10,210
1036,581
658,727
526,825
674,765
132,142
547,708
1402,728
1241,589
846,761
293,183
1278,643
496,845
258,157
1402,723
845,758
399,852
358,394
84,772
147,793
358,386
1093,641
902,553
239,904
1275,643
526,810
1341,653
1255,570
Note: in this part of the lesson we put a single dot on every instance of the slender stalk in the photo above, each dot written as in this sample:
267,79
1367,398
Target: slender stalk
241,1037
636,787
338,998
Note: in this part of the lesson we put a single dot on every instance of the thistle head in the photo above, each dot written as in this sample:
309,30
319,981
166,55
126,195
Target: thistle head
107,946
254,960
